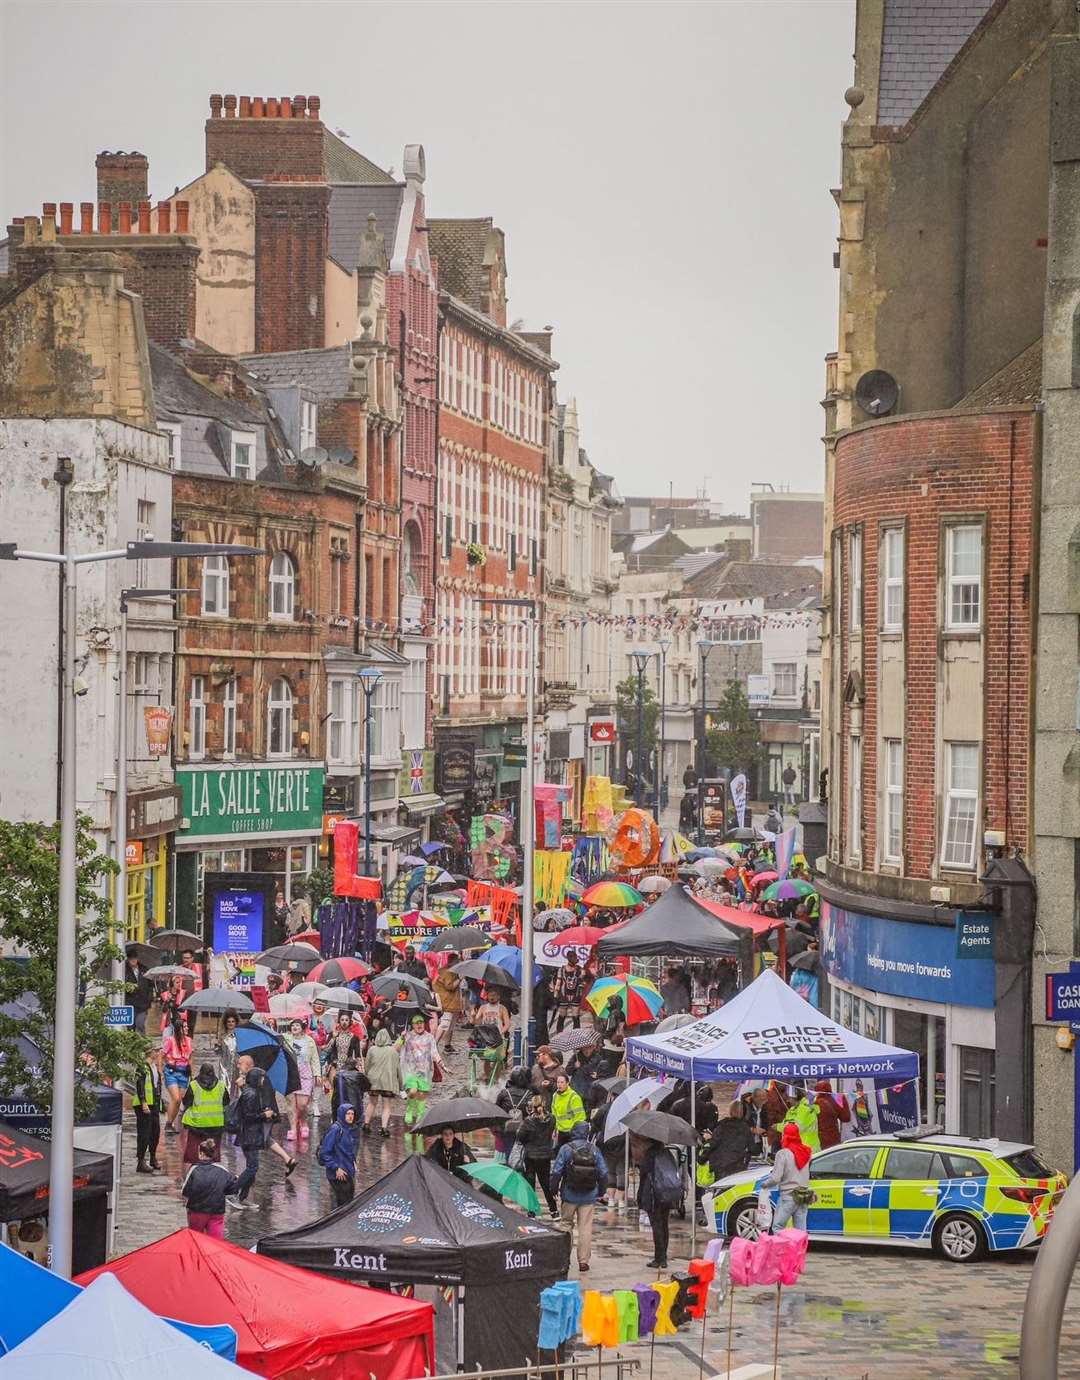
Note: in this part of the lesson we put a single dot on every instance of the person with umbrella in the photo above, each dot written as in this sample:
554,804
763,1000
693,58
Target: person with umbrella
659,1190
569,986
579,1176
384,1075
140,988
613,1150
345,1045
447,989
536,1137
512,1100
255,1113
419,1059
337,1154
226,1050
204,1103
549,1062
306,1053
414,966
451,1153
567,1108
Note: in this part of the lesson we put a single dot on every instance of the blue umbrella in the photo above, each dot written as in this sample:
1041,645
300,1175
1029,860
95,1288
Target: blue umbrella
430,849
696,854
271,1054
508,957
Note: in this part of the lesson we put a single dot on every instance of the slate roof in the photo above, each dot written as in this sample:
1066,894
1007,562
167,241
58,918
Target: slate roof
459,247
344,164
781,586
919,40
325,372
176,390
350,206
1019,382
697,561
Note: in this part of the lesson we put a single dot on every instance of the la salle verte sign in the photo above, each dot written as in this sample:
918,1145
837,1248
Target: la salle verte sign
223,802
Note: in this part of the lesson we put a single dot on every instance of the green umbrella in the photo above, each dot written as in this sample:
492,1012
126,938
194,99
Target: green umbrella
507,1182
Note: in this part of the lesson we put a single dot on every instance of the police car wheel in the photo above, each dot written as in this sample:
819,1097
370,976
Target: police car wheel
742,1220
960,1238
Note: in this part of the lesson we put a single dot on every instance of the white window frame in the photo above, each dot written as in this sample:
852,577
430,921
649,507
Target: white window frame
309,424
785,666
892,832
959,803
855,579
228,719
341,737
386,719
215,587
279,704
237,468
197,718
174,432
855,810
955,584
892,579
282,584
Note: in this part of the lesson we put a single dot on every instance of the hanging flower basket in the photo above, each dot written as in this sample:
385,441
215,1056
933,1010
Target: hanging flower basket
475,554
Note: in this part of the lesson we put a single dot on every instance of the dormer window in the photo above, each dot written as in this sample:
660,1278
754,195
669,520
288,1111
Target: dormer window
309,423
242,464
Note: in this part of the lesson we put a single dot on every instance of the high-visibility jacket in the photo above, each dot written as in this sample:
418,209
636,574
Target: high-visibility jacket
146,1089
207,1110
568,1109
805,1116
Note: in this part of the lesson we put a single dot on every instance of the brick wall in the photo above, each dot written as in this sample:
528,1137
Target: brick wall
920,472
255,144
291,230
162,270
122,177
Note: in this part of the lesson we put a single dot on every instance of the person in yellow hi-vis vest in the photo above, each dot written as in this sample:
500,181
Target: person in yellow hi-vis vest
804,1114
204,1113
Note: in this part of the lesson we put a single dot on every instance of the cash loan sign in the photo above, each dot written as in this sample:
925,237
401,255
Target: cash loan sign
222,803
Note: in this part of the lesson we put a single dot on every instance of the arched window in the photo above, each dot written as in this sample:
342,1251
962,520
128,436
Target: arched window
282,586
215,586
279,720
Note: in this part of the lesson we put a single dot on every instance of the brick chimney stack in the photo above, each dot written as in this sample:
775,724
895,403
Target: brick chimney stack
122,177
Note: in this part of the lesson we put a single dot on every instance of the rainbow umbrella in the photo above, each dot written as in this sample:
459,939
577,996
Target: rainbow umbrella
612,896
641,998
787,890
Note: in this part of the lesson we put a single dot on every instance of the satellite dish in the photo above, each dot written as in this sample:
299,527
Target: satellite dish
877,393
314,455
342,455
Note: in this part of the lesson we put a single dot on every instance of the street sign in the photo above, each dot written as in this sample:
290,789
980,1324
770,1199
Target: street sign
515,755
974,935
120,1016
1063,997
602,731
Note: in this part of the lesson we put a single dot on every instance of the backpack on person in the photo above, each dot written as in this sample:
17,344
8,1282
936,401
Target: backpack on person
666,1180
581,1173
326,1145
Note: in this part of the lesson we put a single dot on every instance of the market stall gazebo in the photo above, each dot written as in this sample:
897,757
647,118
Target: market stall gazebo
422,1226
675,926
25,1167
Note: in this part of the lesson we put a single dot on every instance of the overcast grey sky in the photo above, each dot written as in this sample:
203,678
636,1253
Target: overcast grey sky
662,173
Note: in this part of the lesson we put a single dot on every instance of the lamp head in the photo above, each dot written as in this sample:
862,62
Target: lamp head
663,643
369,676
641,659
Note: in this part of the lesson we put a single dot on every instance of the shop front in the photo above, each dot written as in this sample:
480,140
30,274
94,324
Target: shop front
909,983
152,816
246,818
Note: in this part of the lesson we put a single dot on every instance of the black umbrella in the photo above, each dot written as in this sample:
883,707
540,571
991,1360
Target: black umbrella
176,939
145,953
218,1000
575,1039
290,958
390,984
613,1085
490,974
668,1130
459,940
744,835
462,1113
809,959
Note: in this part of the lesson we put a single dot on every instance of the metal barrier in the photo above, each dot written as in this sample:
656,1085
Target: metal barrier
575,1368
1048,1290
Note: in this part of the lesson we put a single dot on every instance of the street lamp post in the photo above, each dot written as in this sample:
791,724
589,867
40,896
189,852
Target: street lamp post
705,646
661,778
641,665
369,678
62,1164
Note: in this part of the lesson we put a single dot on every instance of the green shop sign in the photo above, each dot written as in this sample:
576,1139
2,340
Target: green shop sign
226,802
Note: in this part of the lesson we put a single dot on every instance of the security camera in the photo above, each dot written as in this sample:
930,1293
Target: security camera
80,686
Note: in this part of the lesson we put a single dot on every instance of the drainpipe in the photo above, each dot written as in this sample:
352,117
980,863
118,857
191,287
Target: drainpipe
63,474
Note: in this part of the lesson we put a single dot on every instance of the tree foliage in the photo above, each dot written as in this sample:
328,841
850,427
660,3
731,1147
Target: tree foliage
734,741
626,693
29,902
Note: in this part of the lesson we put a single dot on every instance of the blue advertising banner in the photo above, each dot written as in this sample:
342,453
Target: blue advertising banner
1063,997
902,959
238,922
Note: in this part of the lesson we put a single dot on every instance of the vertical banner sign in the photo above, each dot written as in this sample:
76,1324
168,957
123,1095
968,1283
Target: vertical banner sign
738,797
785,851
158,723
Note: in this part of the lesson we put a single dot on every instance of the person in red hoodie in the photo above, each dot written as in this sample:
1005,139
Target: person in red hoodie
791,1175
834,1112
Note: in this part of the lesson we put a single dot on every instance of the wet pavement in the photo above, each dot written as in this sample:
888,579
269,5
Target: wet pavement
883,1314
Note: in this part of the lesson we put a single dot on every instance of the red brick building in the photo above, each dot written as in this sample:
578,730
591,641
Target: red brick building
495,395
931,636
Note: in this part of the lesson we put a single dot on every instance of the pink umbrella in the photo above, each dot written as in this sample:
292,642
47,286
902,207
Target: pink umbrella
760,878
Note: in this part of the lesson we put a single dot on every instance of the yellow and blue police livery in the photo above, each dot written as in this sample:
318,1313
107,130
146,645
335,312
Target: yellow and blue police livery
957,1196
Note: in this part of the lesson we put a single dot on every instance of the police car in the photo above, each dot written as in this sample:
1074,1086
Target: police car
959,1197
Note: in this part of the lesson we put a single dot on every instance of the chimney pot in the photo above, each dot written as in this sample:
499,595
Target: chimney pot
181,217
31,230
245,107
257,107
215,107
163,217
67,215
104,218
313,104
86,217
285,107
48,211
230,107
271,108
125,217
299,106
48,229
144,218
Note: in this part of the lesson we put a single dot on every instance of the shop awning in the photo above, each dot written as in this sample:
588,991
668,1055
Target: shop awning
392,833
421,806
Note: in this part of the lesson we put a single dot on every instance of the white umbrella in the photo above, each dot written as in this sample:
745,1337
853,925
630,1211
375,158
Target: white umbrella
343,999
638,1091
308,991
653,886
288,1006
